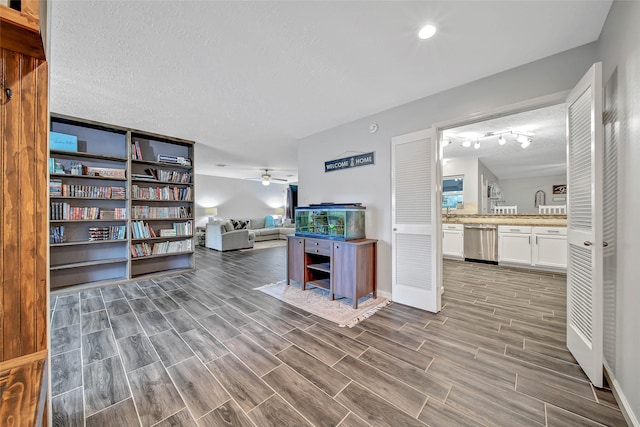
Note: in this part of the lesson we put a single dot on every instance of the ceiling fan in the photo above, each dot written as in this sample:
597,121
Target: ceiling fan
267,178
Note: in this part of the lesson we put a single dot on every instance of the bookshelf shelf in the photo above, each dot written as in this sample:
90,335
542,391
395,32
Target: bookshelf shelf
162,164
88,242
87,263
140,258
111,150
155,181
160,239
70,176
73,154
86,198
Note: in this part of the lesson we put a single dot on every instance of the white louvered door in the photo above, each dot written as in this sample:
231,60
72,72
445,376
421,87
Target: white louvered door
584,228
415,258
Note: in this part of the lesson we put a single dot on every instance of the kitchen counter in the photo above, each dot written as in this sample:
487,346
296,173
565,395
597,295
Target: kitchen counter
516,219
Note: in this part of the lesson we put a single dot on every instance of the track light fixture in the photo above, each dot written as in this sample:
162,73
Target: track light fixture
523,138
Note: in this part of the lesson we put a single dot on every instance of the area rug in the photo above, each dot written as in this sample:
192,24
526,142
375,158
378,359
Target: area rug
265,245
318,302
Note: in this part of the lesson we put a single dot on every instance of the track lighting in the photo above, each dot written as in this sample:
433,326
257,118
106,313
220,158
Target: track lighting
476,145
501,140
524,139
466,143
525,143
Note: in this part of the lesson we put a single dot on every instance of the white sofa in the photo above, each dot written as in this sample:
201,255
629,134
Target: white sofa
261,232
218,238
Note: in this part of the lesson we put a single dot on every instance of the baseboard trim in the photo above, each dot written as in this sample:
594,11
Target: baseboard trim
625,408
385,294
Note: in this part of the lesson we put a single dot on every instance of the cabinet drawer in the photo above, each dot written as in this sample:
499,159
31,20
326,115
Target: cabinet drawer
514,229
453,227
562,231
318,246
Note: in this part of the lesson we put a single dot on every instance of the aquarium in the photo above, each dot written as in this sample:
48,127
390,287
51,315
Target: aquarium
331,221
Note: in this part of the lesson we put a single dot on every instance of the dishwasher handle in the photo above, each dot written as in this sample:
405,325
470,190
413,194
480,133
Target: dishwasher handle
481,226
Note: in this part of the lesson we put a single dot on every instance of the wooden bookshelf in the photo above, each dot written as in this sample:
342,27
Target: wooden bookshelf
76,260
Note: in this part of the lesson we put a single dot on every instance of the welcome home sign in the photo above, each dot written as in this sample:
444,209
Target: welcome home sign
350,162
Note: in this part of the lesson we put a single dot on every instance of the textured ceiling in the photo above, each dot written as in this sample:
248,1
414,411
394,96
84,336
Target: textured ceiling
544,157
246,80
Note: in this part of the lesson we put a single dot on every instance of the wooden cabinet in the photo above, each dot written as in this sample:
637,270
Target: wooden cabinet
346,269
295,259
24,297
549,247
514,244
353,270
453,241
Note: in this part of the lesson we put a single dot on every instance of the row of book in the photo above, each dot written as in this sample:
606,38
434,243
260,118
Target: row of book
142,230
169,175
147,249
56,234
64,211
161,193
136,153
58,189
156,212
113,232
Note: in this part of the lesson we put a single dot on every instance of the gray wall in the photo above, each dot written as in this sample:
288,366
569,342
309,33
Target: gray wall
236,198
619,50
522,191
371,185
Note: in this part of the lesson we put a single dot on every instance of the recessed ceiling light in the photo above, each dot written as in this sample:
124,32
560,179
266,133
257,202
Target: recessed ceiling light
426,32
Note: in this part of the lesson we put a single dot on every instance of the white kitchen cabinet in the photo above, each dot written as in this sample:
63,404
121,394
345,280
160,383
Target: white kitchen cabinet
514,244
549,247
453,241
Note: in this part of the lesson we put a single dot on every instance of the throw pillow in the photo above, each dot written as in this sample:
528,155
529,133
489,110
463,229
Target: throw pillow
228,226
269,222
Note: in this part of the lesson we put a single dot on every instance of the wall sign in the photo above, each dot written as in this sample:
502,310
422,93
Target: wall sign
350,162
560,189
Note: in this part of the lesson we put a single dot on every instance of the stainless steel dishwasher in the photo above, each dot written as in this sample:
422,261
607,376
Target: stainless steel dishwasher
481,243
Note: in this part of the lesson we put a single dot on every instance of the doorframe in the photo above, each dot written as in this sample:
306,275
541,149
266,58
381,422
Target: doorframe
481,116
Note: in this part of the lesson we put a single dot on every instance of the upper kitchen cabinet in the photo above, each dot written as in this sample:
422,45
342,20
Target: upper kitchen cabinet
23,27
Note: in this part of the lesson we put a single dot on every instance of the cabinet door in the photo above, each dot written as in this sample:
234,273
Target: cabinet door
550,251
453,244
295,259
514,248
343,265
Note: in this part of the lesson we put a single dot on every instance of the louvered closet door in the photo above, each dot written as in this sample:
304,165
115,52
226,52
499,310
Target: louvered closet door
584,270
415,261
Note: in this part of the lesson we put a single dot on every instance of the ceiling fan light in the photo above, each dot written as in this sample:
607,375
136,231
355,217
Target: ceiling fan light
501,140
266,182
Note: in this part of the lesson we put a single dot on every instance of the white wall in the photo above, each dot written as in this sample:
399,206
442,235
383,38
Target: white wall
619,49
469,168
522,191
236,198
484,175
371,185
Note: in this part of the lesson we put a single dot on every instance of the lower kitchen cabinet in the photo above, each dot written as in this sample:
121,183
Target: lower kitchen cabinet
514,244
549,247
453,241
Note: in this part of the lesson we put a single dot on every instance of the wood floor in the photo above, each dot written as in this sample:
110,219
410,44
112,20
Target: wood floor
205,349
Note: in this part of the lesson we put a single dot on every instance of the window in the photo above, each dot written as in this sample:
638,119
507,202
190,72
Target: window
452,191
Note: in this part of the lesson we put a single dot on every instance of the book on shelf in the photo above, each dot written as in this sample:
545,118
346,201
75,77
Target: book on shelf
161,193
168,232
141,230
56,234
160,212
139,250
113,232
136,153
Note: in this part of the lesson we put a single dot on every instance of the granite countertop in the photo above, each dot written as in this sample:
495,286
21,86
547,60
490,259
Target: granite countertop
500,219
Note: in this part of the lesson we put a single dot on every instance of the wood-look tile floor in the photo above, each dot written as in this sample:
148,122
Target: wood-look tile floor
205,349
